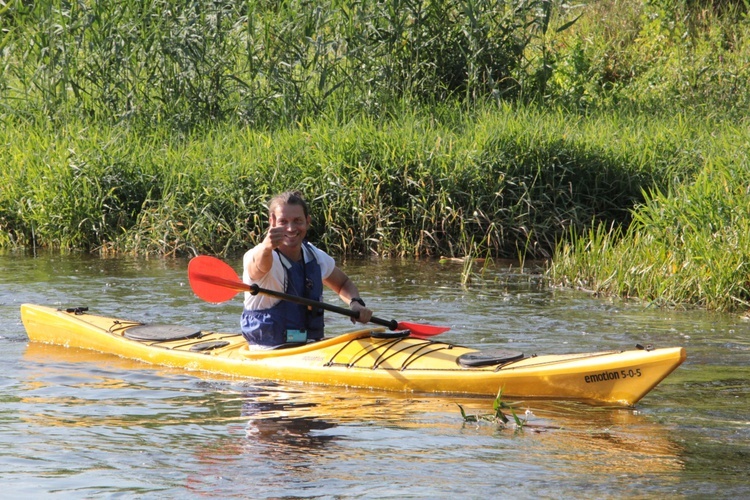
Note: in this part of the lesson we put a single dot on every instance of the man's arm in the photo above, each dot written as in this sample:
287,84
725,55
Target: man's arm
347,290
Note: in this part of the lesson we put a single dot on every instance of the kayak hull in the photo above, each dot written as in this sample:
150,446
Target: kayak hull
369,358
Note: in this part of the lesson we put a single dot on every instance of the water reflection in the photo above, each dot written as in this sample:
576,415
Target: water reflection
84,424
79,388
283,438
292,424
296,424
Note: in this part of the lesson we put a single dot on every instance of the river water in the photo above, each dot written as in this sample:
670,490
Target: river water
79,424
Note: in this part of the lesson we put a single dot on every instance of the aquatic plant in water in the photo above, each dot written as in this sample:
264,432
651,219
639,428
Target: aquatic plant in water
498,417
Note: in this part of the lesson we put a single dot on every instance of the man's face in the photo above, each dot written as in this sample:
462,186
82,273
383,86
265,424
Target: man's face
292,219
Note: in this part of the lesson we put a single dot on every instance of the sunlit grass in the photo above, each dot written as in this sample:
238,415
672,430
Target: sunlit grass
470,129
507,182
688,247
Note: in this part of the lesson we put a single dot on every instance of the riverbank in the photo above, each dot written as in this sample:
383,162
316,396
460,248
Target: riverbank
616,146
506,182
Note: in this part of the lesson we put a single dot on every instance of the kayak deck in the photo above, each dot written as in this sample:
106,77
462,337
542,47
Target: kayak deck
370,358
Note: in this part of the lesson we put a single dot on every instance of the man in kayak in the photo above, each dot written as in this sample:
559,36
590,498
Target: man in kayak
286,262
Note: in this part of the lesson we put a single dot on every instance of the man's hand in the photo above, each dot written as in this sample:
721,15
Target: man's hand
364,313
275,235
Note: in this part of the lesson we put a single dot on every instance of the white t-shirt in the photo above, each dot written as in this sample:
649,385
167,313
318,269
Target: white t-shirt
274,279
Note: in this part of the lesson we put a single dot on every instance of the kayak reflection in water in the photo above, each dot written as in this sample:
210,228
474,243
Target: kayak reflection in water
281,425
286,262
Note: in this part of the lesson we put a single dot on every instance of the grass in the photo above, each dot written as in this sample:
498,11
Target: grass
690,246
504,181
609,138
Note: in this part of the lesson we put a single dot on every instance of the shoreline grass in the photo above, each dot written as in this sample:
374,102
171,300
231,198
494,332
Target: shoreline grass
505,182
609,138
688,247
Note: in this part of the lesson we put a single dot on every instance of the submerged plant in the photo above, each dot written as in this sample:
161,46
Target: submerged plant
498,417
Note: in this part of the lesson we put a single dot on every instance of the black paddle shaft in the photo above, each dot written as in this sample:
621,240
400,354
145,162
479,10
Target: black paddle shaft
255,290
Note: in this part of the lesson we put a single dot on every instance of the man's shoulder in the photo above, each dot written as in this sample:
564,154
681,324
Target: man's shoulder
320,255
315,249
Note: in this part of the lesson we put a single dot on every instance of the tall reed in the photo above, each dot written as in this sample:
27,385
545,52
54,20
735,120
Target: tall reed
475,127
501,181
260,62
686,246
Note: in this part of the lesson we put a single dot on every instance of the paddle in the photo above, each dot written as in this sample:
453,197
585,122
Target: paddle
214,280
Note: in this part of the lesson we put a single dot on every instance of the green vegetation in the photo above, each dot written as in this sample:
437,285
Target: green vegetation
688,243
497,416
689,246
609,136
504,182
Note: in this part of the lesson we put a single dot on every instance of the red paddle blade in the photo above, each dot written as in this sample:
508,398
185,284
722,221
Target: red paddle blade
213,280
421,331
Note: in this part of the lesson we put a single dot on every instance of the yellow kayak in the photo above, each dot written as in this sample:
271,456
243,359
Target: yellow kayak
371,358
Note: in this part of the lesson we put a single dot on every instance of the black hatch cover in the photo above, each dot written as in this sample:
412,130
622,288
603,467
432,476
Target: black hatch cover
161,332
488,358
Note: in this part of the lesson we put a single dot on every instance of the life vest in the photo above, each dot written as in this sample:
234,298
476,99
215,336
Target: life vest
287,321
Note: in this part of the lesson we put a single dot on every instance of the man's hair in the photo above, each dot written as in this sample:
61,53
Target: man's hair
288,198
